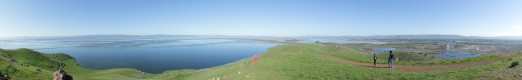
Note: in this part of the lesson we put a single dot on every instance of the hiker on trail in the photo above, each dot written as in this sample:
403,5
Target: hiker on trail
390,60
374,60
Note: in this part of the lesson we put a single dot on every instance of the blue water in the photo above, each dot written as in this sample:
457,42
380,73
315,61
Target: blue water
447,55
152,55
380,50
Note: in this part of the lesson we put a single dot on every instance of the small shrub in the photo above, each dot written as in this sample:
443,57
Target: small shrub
513,64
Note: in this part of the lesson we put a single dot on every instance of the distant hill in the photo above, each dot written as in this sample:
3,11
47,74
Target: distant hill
509,37
425,37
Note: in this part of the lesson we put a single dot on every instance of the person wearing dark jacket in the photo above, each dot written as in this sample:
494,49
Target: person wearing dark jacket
390,60
374,60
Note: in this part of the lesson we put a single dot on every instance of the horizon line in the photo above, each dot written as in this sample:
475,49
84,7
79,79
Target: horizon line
249,35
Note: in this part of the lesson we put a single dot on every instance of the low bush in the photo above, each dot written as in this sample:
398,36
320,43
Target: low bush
513,64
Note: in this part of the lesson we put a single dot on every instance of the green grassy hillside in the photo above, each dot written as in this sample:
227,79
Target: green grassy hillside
26,64
284,62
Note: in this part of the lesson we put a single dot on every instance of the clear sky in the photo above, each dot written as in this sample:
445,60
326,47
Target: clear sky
261,17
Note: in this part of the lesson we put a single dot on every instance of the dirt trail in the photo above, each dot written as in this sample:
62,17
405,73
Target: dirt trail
415,68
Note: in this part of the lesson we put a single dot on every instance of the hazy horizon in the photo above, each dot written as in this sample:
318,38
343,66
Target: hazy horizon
255,35
261,17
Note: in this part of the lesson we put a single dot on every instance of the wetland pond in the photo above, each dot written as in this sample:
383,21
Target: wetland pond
381,50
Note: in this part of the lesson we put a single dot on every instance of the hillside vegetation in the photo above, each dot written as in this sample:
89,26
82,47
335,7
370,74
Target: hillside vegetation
284,62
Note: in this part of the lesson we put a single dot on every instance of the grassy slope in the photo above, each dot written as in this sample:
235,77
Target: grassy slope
26,64
294,61
506,73
287,62
354,55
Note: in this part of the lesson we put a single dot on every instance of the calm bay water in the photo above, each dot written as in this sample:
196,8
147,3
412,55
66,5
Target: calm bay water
153,55
447,55
382,50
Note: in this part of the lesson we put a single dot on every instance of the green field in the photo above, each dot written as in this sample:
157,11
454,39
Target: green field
284,62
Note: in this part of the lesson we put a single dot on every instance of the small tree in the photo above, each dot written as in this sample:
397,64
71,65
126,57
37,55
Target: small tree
316,41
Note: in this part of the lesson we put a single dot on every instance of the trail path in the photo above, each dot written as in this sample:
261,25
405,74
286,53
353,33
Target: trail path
415,68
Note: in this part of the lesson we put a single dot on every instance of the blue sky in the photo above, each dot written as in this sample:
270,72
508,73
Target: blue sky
261,17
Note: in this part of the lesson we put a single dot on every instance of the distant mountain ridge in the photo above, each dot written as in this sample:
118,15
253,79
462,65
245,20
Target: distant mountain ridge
426,37
435,36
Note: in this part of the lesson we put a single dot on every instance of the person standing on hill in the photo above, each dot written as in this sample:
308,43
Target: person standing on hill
390,60
374,60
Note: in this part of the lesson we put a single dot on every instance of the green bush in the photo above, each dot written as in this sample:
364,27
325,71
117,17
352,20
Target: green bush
513,64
